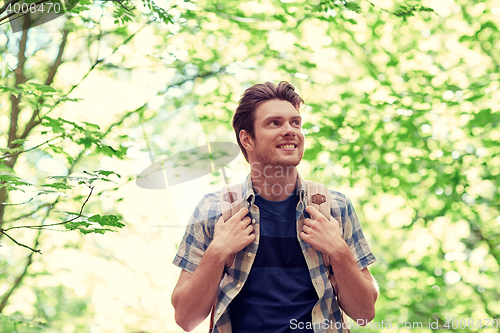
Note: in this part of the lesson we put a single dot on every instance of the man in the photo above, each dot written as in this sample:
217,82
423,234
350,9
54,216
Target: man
277,281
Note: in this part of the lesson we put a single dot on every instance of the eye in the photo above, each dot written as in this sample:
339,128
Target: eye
296,122
273,122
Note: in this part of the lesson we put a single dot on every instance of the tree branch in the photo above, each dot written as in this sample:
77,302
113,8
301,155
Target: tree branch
33,122
19,279
15,110
20,78
17,204
20,244
385,10
54,224
3,198
17,282
58,61
28,214
123,6
29,149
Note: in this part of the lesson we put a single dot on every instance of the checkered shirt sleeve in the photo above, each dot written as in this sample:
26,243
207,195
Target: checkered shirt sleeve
199,233
342,210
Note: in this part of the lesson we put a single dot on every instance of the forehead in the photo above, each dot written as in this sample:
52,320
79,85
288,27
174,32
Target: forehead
275,108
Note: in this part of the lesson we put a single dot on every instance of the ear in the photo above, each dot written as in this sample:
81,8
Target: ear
247,141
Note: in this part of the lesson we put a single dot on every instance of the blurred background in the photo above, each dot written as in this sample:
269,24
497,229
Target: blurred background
401,114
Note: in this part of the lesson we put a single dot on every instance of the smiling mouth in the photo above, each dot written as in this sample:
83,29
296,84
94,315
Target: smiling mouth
289,146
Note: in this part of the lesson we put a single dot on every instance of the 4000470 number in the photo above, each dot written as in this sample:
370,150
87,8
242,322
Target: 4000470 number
26,8
471,323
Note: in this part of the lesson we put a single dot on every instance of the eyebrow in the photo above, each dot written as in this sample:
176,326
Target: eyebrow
281,118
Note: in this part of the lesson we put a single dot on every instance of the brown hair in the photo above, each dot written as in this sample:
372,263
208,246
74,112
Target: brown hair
244,116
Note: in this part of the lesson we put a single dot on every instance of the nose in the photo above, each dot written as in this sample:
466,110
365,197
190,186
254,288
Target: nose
288,130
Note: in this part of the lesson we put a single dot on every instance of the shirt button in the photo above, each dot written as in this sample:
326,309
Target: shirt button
218,311
249,254
253,221
238,285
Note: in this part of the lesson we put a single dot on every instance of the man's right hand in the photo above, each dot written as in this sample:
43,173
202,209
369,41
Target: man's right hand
233,235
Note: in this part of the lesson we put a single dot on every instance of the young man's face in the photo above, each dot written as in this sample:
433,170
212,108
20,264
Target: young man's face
278,135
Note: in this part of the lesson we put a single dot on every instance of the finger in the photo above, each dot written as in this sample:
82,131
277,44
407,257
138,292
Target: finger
308,222
247,220
221,219
239,215
313,212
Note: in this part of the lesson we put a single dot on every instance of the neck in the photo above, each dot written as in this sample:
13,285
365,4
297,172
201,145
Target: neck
274,183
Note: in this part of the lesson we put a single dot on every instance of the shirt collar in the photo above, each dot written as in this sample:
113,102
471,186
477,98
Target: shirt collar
249,194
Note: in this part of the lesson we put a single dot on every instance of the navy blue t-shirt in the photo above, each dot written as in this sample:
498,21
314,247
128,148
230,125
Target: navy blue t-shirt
278,290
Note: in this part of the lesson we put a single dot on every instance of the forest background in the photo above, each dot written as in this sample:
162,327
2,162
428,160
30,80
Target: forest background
402,115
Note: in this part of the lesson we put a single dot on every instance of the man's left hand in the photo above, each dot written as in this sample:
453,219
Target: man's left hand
319,232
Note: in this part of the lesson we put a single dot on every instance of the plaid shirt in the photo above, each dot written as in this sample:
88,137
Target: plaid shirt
199,234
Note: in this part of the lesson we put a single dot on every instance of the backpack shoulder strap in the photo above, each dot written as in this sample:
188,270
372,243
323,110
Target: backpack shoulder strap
231,200
230,203
318,196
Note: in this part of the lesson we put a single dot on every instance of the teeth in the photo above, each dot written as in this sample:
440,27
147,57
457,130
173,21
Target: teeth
287,146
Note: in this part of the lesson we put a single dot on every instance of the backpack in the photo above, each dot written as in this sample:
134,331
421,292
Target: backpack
318,196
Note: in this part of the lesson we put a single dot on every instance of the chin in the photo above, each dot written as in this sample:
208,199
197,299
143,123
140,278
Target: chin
289,163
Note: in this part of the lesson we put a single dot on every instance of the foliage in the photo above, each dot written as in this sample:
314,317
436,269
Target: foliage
402,115
30,95
49,302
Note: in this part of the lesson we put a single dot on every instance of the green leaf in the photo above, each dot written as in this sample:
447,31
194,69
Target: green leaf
45,89
70,178
426,9
87,141
67,99
75,125
107,173
91,125
106,220
14,91
13,183
109,151
59,150
76,225
55,124
96,231
355,7
49,192
59,186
